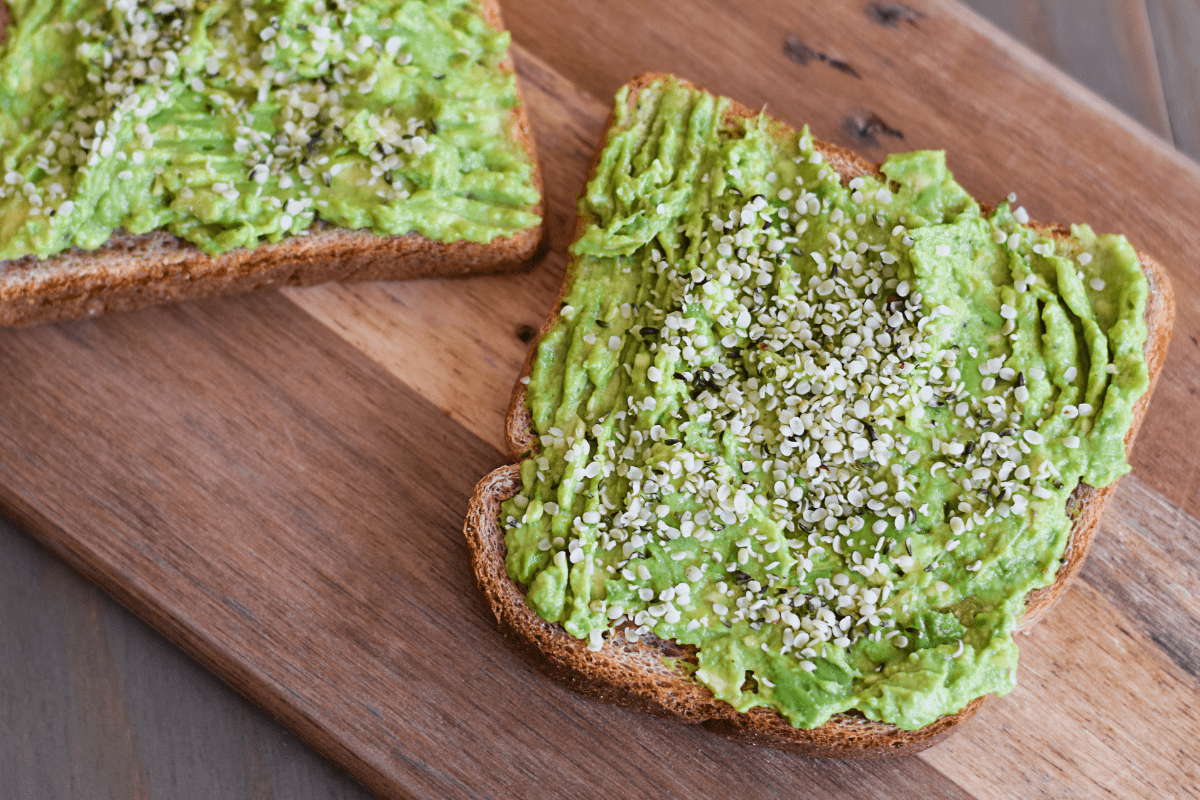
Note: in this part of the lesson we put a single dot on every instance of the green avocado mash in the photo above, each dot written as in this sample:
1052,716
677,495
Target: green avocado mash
823,432
231,122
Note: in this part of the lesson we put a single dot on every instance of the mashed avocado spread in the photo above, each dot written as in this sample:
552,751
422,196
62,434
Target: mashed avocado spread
823,432
231,122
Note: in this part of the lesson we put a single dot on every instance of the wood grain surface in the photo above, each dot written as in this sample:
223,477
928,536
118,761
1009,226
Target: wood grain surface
277,482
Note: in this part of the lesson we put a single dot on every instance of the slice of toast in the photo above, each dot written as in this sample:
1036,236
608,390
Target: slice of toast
640,676
132,271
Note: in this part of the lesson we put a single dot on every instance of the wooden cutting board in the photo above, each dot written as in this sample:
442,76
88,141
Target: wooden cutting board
278,482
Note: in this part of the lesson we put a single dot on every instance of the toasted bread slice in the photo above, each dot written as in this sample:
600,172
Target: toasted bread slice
132,271
639,676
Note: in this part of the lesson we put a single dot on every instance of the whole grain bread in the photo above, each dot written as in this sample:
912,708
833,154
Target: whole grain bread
638,675
132,271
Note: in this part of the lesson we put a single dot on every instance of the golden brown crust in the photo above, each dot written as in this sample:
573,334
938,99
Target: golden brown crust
132,271
635,675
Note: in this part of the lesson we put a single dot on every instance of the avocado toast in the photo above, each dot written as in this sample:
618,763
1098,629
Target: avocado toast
881,596
170,151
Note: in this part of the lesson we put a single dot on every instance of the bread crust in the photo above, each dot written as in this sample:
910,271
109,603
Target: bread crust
131,271
635,676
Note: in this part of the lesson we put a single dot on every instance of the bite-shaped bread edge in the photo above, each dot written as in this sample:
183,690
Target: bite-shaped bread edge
132,271
635,675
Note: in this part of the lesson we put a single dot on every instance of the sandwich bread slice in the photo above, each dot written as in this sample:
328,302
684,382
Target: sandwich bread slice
157,152
806,439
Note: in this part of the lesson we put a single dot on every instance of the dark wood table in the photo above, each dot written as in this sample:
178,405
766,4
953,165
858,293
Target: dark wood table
94,703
